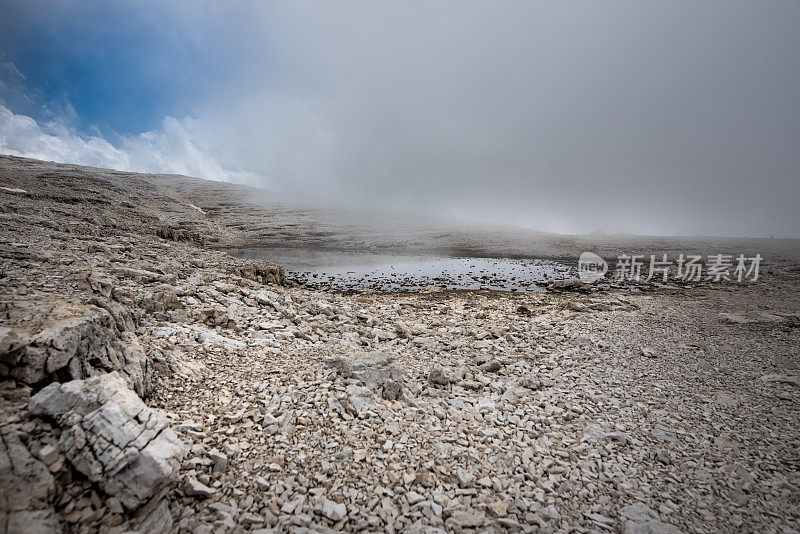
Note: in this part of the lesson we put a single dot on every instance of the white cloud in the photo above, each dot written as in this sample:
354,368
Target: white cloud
171,149
20,135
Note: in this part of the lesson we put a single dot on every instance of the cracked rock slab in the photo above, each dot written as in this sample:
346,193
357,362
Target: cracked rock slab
27,488
110,436
74,342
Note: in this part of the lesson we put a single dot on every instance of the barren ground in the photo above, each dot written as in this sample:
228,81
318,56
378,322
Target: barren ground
588,411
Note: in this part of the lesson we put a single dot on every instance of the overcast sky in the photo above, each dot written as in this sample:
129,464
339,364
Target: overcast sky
669,117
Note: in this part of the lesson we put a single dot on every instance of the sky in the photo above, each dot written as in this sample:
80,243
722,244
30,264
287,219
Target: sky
622,116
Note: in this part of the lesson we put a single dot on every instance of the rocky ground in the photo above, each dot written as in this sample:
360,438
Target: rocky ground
151,383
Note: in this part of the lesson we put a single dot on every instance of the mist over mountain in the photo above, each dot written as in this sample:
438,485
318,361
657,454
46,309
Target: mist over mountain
635,117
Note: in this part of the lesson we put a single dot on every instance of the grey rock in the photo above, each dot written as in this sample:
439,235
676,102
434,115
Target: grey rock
30,522
333,510
552,513
160,301
27,488
491,367
599,518
48,454
467,518
465,478
380,371
100,284
84,343
157,517
195,488
220,460
638,512
649,527
594,433
641,519
419,528
10,342
392,390
142,275
413,497
260,271
110,436
248,519
568,284
439,376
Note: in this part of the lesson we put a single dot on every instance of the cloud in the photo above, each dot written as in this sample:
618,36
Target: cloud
170,149
173,149
627,116
20,135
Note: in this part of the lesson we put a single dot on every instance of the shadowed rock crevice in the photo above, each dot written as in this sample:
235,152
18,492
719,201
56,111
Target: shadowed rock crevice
28,488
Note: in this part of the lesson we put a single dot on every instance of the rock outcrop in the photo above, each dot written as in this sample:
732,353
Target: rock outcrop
260,271
111,437
76,341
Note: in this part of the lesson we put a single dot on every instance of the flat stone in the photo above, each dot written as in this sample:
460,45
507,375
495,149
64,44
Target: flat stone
638,512
195,488
467,518
413,497
333,510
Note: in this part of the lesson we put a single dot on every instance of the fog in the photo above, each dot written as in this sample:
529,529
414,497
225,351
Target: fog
643,117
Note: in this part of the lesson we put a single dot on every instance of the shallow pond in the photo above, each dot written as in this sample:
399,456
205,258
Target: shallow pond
408,272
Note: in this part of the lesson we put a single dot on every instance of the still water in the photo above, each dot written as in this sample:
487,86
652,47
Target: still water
343,271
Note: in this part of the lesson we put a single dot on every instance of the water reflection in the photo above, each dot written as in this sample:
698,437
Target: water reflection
343,271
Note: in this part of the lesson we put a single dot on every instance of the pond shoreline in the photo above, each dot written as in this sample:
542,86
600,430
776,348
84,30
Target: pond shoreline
409,272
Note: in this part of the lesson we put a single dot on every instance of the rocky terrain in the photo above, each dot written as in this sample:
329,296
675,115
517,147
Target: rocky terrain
152,383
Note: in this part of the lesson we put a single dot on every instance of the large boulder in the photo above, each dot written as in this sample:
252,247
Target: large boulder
110,436
71,342
380,371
